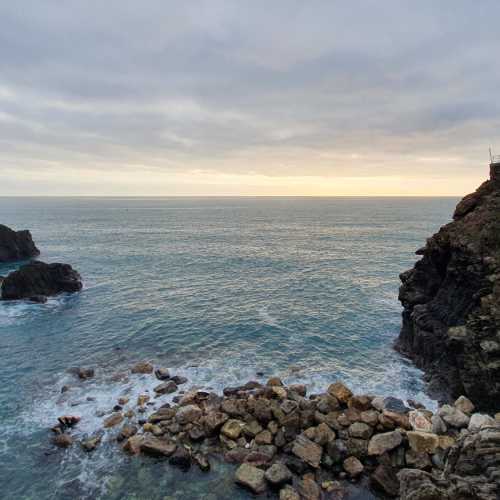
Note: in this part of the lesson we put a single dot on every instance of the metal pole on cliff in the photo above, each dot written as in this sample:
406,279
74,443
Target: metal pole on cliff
491,156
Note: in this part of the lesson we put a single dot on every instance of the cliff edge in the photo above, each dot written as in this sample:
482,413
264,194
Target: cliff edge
451,301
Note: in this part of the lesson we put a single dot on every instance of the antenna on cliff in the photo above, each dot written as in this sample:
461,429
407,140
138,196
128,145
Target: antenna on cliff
491,156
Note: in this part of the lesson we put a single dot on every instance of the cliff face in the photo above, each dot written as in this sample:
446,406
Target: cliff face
451,301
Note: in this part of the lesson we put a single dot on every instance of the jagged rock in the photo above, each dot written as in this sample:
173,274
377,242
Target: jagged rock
450,300
251,477
438,425
91,443
381,443
419,421
162,374
232,428
63,440
308,451
264,437
181,458
16,245
133,444
201,460
353,466
38,278
360,430
278,474
417,460
309,489
126,432
395,405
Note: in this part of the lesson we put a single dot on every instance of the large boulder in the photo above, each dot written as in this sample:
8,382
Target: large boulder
451,303
39,279
16,245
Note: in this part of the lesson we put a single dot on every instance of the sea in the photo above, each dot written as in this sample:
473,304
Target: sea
219,290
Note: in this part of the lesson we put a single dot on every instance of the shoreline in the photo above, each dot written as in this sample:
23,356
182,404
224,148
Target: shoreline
318,442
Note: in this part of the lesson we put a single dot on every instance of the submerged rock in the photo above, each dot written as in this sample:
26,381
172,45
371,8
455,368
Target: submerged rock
40,279
16,245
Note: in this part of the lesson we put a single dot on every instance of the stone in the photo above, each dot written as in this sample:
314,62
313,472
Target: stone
68,421
395,405
252,428
417,460
357,447
360,430
213,421
323,434
464,404
16,245
38,278
299,389
423,442
353,466
232,429
360,403
123,401
308,451
288,406
113,420
263,411
327,403
251,477
188,414
382,443
309,489
201,460
133,444
179,379
385,479
166,388
453,416
142,367
378,403
400,419
279,392
337,451
288,493
196,433
274,381
162,374
157,447
340,391
126,432
161,415
438,425
63,440
477,420
264,437
369,417
278,474
142,399
419,421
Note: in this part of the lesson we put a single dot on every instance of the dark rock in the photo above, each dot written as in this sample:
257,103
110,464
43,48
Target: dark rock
308,451
278,474
85,373
166,387
91,443
201,460
127,431
38,278
38,299
162,374
385,479
63,440
143,367
450,300
181,458
156,447
251,477
395,405
179,380
16,245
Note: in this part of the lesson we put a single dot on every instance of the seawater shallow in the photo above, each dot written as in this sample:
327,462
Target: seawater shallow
216,289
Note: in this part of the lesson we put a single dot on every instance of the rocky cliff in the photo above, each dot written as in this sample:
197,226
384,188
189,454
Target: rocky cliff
16,245
451,301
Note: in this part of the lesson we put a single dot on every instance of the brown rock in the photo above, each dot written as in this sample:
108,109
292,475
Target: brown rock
63,440
288,493
423,442
157,447
232,428
274,381
251,477
188,414
113,420
142,367
308,451
133,444
353,466
360,430
213,421
360,403
340,391
264,437
384,478
381,443
166,387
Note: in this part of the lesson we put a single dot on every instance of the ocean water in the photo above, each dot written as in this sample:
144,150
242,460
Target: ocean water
220,290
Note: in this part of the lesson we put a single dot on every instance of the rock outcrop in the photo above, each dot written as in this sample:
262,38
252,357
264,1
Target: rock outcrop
451,300
38,280
16,245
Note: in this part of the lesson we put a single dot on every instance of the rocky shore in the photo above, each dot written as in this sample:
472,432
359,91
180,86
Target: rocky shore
451,300
290,445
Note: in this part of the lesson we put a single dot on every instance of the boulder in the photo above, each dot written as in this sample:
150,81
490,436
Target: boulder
340,391
360,430
113,420
395,405
453,416
162,374
423,442
166,387
353,466
477,420
232,429
464,404
419,421
251,477
417,460
181,458
63,440
188,414
381,443
16,245
309,488
288,493
278,474
38,278
213,421
308,451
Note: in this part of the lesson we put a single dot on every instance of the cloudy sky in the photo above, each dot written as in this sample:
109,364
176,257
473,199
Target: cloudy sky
353,97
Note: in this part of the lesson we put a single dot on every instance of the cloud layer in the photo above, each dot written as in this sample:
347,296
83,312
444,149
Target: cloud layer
237,97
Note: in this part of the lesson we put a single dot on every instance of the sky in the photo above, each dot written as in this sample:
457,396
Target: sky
211,98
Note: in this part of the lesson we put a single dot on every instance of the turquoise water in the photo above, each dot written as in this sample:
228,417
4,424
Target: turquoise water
216,289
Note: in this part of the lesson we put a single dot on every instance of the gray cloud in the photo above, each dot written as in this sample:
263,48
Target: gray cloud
173,85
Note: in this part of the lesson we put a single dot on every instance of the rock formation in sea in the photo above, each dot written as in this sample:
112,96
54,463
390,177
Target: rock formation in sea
16,245
451,300
38,280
